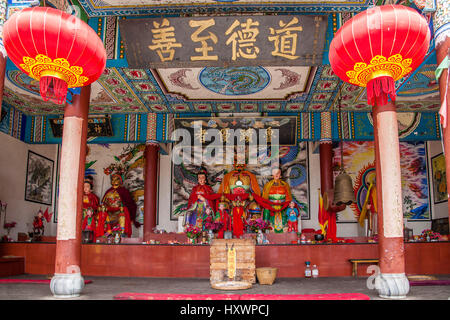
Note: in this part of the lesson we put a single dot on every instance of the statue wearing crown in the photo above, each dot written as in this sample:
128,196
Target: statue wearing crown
118,204
238,186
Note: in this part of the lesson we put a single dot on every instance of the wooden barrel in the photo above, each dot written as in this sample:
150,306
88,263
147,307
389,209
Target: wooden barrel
245,260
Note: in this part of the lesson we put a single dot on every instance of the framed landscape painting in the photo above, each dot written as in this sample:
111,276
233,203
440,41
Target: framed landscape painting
39,181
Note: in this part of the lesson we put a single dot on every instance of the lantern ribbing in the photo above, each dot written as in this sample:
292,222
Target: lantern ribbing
378,47
55,48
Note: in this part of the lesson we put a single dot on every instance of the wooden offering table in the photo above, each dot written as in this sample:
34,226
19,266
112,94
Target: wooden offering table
243,260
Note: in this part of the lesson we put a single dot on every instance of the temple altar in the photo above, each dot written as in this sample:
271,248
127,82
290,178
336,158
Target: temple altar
180,260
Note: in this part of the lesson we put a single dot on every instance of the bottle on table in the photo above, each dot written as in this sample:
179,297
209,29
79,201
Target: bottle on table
308,272
303,239
315,271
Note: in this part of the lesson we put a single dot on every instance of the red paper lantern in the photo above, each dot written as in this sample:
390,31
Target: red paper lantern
378,47
55,48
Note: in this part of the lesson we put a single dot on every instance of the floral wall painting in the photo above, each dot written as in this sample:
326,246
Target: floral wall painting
39,180
439,178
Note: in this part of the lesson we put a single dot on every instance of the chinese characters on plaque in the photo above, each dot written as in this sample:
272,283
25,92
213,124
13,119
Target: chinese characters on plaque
224,41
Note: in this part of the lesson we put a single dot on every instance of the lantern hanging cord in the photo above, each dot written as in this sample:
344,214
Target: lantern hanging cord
339,128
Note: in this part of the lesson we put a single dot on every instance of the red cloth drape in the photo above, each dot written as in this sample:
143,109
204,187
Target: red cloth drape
225,218
267,204
379,90
101,219
238,223
331,231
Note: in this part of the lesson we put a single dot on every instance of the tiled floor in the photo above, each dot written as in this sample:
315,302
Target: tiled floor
104,288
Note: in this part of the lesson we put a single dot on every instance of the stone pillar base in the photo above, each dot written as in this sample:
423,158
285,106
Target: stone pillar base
67,285
392,285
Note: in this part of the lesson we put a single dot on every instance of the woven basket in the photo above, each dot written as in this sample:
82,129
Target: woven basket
266,275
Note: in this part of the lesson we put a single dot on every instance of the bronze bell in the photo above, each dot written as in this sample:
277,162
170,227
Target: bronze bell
343,190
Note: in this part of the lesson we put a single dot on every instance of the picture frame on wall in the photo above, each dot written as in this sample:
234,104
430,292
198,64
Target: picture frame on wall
438,177
39,179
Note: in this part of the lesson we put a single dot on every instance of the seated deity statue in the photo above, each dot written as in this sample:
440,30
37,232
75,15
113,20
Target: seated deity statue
119,206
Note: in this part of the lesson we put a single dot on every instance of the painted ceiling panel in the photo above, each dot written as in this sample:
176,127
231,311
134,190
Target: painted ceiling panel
98,8
239,83
123,90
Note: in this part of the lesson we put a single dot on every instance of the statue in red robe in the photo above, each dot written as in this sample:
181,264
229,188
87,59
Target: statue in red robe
198,201
223,215
90,206
38,224
239,186
119,206
101,227
90,200
239,215
88,226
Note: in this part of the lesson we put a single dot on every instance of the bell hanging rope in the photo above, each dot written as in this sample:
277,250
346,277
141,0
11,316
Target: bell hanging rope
378,47
343,186
55,48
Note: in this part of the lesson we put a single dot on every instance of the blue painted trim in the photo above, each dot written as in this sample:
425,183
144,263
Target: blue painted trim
117,63
222,8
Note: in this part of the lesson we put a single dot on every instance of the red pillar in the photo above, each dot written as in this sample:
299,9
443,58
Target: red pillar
150,187
326,167
392,282
443,50
67,281
327,185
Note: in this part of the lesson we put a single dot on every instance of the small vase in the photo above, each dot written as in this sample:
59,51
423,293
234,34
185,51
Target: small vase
210,236
260,237
192,240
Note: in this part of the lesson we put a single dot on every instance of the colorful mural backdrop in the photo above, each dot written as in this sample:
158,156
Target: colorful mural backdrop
293,163
359,163
104,159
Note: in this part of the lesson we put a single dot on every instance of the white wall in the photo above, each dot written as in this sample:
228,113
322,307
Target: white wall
165,192
13,166
13,163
